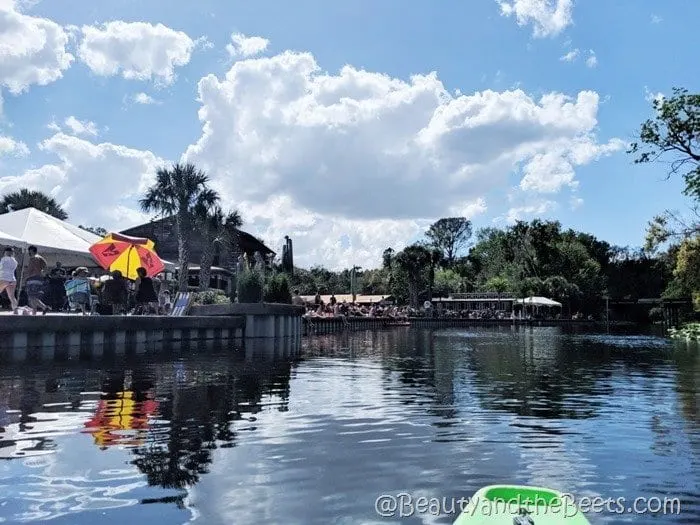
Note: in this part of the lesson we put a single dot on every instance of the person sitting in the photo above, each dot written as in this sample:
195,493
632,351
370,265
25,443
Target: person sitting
297,299
78,291
115,293
145,294
165,304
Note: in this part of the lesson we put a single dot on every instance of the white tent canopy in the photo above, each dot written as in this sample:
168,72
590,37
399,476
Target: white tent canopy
538,301
55,239
10,240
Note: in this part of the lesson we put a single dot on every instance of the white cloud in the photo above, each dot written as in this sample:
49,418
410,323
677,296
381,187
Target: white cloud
592,60
84,127
576,203
136,50
650,96
570,56
10,147
32,50
372,159
244,46
531,210
656,19
548,17
143,98
99,183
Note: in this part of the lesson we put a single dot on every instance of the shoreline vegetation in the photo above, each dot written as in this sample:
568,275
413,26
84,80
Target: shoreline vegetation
536,258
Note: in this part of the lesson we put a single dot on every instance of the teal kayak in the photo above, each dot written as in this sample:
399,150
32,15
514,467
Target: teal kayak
520,505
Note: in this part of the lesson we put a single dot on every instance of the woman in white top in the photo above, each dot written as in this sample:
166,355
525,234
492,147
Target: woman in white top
8,281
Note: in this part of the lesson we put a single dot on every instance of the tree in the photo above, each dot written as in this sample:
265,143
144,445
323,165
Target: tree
216,228
25,198
97,230
674,133
387,257
179,190
450,235
414,260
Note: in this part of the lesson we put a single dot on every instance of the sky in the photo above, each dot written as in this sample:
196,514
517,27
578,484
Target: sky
349,126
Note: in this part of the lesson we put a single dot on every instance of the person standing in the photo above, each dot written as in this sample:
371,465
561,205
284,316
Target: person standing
8,281
34,285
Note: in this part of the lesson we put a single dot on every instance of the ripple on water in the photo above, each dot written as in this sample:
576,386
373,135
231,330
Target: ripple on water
317,439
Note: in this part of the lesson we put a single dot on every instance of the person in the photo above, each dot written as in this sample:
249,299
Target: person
56,292
34,285
78,290
145,295
8,281
165,304
297,299
115,293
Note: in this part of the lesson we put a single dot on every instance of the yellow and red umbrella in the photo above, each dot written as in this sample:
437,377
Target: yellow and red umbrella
126,254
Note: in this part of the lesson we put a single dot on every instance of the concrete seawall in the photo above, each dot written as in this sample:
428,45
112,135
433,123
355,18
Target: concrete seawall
262,320
73,337
65,337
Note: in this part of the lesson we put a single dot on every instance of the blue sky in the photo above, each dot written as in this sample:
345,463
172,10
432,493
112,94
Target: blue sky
345,187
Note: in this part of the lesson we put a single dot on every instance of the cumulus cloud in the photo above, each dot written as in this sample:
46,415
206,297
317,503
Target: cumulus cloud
143,98
547,17
32,50
136,50
520,213
244,46
12,148
100,183
84,127
360,161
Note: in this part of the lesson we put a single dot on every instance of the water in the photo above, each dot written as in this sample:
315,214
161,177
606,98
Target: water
316,438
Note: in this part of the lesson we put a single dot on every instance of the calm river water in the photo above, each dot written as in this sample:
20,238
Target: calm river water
317,437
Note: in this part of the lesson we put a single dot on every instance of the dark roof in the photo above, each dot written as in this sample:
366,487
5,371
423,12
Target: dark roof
247,242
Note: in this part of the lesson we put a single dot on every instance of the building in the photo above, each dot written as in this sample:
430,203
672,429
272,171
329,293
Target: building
163,232
475,301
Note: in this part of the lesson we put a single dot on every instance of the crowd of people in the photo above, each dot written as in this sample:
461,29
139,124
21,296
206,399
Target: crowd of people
334,308
59,289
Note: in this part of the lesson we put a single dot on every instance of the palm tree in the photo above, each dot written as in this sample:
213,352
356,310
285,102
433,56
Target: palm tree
216,227
25,198
180,190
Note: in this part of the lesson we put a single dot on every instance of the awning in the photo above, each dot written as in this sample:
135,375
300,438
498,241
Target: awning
538,301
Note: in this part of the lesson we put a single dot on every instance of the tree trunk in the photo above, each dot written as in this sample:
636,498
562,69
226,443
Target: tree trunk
183,249
205,265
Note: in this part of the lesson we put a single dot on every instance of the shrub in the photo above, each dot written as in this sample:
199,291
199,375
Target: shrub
249,286
210,296
656,314
277,289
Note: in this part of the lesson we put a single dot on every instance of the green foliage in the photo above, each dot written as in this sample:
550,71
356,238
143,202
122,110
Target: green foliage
99,231
277,289
450,235
447,282
249,286
211,296
25,198
656,314
498,284
689,332
674,134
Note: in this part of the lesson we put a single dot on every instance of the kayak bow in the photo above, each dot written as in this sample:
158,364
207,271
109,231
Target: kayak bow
520,505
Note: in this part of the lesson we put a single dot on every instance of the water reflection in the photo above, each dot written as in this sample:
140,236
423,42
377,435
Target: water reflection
248,436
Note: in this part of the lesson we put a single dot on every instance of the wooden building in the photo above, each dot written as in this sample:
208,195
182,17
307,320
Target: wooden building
163,232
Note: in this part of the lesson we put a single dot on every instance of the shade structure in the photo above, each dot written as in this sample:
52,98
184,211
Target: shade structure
10,240
126,254
56,240
538,301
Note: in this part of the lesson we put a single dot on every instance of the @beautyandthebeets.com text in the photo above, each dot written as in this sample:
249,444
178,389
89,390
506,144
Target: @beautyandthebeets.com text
404,505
